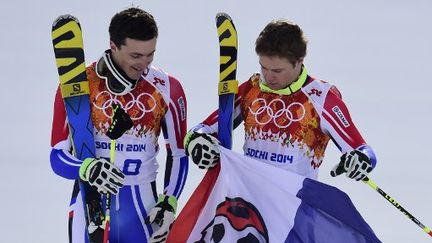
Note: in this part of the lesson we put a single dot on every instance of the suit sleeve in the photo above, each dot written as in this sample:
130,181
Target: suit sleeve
63,163
174,129
339,125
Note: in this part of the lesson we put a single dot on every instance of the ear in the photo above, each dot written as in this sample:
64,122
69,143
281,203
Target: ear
299,62
113,46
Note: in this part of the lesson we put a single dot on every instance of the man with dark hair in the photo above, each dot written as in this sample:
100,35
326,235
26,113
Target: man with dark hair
155,102
289,116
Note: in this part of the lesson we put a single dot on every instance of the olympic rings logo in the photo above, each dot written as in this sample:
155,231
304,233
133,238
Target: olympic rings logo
134,102
276,111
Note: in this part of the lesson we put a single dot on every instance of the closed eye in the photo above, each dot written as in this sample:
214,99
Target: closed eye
139,55
276,70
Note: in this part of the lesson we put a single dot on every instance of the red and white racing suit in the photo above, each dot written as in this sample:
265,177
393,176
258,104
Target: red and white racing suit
156,104
292,131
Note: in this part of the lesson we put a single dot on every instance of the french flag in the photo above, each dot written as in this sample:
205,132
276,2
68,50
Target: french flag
245,200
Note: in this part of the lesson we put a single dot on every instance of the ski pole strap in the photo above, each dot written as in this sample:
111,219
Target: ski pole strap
228,87
374,186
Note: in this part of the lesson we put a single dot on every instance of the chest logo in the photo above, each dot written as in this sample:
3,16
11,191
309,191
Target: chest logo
158,80
143,103
277,112
315,92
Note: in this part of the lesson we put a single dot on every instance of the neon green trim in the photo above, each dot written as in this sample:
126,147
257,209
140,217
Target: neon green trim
186,139
112,151
83,168
172,201
113,142
291,88
115,108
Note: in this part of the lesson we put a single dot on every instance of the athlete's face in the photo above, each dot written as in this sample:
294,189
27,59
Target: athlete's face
134,56
279,72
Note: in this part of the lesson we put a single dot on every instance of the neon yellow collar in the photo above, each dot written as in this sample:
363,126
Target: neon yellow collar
291,88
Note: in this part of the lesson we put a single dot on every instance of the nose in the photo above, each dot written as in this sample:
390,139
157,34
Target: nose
267,75
145,61
264,73
149,60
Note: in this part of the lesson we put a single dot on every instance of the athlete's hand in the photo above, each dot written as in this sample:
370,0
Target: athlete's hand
102,175
203,149
163,214
355,164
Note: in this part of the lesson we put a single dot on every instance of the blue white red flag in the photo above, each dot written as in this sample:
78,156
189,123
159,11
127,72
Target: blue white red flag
245,200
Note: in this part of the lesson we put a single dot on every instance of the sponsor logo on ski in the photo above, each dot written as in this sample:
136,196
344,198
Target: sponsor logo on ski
76,87
341,116
225,87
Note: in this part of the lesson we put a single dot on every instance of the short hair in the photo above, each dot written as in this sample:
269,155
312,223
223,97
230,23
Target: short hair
133,23
282,38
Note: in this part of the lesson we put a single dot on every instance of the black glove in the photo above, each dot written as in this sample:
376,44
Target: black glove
203,149
102,175
355,164
163,214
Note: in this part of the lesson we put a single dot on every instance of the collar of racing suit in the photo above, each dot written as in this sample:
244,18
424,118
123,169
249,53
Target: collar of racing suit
291,88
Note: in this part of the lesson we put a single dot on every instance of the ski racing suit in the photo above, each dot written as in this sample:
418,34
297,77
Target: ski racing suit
291,131
157,103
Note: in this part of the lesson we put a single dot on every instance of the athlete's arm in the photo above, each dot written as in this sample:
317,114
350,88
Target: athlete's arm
63,163
338,123
174,129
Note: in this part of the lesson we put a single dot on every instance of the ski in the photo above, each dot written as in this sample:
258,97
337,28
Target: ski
227,88
228,85
69,53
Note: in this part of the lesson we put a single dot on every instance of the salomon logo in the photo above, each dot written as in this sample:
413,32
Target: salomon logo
341,116
225,87
76,87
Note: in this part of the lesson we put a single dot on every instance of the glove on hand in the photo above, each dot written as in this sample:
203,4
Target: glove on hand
121,122
355,164
101,175
202,149
163,214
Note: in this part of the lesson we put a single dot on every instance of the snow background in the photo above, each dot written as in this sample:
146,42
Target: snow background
375,52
